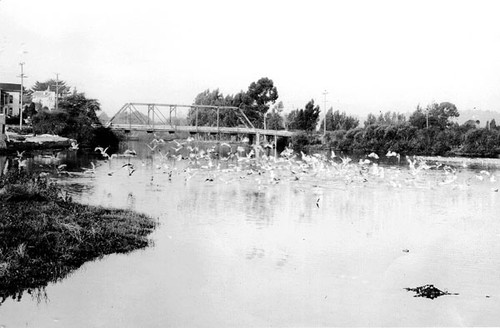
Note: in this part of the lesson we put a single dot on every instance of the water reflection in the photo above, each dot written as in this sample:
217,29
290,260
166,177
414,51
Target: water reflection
250,249
131,201
260,207
255,253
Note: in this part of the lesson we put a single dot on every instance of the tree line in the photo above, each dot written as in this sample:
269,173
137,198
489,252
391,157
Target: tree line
431,130
258,104
427,131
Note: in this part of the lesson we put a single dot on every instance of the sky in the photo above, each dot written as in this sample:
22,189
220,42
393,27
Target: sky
369,56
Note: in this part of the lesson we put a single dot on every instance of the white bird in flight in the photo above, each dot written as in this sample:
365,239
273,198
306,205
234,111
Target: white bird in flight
103,151
74,146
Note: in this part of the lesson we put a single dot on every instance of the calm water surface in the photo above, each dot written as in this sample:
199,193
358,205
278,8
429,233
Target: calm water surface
270,250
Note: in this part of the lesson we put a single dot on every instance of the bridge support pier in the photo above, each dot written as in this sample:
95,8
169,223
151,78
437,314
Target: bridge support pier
257,144
275,146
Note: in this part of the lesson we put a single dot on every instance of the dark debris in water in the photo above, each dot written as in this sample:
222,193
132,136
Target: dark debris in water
428,291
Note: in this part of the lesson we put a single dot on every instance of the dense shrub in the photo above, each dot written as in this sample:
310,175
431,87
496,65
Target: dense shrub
24,130
334,138
77,120
51,122
408,139
482,142
300,141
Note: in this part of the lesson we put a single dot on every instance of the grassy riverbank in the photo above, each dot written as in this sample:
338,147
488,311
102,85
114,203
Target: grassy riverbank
44,236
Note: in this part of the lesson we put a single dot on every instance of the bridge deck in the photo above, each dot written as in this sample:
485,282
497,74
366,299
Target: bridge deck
204,129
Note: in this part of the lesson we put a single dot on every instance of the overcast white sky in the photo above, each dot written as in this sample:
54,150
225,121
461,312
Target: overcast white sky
368,55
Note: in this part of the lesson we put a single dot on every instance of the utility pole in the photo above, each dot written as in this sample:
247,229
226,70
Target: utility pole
57,91
427,117
324,121
22,76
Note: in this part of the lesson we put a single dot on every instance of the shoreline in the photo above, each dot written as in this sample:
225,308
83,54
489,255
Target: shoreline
449,159
46,236
46,141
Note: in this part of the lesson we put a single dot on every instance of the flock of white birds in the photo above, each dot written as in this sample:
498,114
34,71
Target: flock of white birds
226,163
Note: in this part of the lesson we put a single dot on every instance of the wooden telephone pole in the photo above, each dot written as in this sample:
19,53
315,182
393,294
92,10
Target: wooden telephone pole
22,76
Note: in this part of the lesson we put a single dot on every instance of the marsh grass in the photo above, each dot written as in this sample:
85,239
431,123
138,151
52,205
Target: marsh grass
45,236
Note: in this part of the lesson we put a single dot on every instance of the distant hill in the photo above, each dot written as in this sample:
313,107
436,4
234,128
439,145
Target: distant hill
475,114
103,117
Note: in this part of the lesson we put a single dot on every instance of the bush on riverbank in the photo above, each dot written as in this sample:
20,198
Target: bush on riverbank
302,140
76,118
427,131
21,131
454,140
44,235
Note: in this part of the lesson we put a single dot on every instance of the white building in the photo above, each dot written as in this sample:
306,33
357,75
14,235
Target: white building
44,99
10,95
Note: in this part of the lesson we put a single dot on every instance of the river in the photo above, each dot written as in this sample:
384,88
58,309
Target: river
311,245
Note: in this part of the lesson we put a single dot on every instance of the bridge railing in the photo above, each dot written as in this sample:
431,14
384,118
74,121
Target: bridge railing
201,129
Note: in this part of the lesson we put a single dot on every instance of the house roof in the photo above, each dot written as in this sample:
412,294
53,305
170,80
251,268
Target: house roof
10,87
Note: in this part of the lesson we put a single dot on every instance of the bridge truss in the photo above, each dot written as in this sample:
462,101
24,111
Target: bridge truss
151,115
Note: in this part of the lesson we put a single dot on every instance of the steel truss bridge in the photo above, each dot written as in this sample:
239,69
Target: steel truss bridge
163,118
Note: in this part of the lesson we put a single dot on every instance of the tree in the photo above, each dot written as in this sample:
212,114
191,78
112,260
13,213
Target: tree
386,118
370,119
418,118
339,121
292,120
51,122
76,119
279,107
304,119
311,116
470,124
29,110
79,105
493,124
206,117
444,112
438,115
481,142
51,86
259,96
254,102
393,118
274,119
